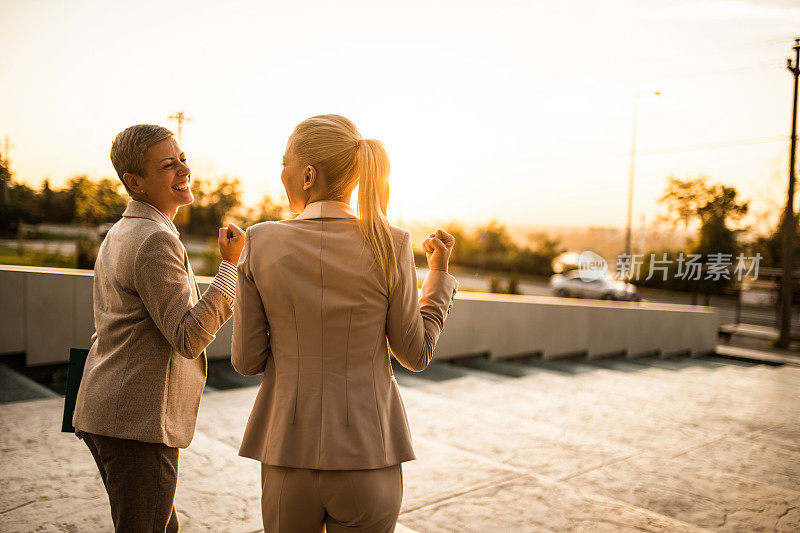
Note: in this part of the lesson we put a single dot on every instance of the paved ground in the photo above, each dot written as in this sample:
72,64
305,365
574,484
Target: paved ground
652,445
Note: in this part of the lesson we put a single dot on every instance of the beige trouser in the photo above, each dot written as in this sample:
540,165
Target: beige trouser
301,500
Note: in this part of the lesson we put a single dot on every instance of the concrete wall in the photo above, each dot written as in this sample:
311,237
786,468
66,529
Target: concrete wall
507,326
45,311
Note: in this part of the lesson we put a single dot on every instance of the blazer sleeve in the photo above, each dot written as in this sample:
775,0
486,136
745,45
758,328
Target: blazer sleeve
250,345
162,281
413,321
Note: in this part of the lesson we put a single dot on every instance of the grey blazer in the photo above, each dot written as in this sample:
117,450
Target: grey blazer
147,365
314,315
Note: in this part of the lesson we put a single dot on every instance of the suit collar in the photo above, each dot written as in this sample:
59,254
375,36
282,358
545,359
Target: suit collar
137,209
327,209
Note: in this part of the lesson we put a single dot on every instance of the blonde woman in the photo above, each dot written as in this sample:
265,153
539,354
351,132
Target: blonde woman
316,300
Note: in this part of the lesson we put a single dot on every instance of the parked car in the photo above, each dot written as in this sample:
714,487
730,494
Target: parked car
605,288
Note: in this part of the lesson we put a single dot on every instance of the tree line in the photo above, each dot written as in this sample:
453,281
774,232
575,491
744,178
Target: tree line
89,202
713,208
491,247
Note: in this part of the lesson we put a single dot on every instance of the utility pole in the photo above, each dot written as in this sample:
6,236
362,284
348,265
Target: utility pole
180,118
6,160
633,171
788,216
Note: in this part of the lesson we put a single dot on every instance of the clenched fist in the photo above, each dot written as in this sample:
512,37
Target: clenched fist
231,242
437,249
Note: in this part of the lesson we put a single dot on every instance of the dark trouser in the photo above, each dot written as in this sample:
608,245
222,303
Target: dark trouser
301,500
140,478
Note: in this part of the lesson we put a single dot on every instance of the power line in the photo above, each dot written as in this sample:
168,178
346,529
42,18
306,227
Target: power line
672,149
716,145
667,62
725,49
667,78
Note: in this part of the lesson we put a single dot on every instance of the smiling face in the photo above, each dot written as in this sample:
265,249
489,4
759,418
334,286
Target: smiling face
165,183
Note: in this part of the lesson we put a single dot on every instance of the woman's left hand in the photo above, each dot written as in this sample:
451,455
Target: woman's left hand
437,249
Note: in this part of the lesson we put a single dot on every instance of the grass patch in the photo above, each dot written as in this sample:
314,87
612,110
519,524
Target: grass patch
10,256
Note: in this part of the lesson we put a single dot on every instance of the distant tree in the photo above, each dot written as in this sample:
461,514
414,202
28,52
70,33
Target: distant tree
47,199
58,205
83,200
539,260
5,182
496,284
495,239
267,209
491,247
22,205
212,203
546,246
513,284
771,246
712,205
96,202
463,247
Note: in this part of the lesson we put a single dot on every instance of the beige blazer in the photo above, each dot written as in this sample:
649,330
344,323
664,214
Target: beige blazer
314,318
147,365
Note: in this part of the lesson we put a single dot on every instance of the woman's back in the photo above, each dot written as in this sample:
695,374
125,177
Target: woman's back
328,399
318,269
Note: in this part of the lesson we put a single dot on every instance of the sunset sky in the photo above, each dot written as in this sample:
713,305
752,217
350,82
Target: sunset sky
518,111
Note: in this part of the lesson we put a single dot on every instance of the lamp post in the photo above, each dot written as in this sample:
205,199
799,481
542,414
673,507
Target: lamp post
633,169
789,223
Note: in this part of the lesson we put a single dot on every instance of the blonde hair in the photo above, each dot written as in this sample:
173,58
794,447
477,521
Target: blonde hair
333,145
130,146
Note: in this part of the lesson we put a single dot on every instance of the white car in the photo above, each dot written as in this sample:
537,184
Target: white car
605,288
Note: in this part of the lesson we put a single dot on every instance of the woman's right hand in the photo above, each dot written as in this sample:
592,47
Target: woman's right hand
437,249
231,242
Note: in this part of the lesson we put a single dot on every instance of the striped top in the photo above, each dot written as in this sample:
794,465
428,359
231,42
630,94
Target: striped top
225,281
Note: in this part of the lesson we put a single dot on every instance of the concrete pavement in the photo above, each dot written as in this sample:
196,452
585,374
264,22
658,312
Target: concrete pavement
647,445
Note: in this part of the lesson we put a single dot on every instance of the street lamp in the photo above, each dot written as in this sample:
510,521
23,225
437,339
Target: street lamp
633,167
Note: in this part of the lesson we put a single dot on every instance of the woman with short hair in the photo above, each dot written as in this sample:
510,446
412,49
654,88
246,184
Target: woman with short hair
317,298
138,398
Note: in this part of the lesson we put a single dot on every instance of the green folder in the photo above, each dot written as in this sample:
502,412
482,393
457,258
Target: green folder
77,359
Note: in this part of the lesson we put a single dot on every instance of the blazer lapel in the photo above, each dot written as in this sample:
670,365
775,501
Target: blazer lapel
137,209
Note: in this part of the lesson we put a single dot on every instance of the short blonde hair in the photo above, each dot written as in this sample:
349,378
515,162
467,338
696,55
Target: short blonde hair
130,146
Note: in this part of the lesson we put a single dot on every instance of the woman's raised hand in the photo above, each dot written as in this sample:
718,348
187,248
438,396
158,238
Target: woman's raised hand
231,242
437,249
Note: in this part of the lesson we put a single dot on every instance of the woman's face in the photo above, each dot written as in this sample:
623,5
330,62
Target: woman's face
294,178
165,183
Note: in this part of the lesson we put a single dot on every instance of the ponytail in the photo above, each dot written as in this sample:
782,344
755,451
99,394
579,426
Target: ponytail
333,143
373,198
